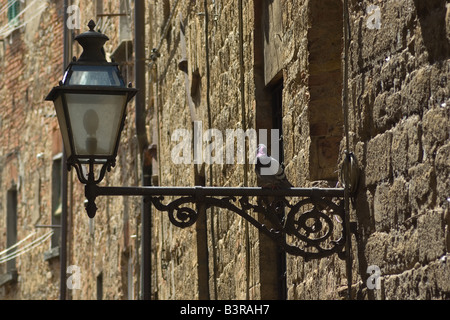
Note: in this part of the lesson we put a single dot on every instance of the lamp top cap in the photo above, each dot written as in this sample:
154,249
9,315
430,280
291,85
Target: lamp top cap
91,25
92,43
91,33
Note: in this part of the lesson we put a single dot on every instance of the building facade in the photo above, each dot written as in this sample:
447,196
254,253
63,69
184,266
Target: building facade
222,66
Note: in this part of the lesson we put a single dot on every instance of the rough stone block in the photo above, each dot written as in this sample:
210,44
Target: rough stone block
400,286
430,226
398,200
435,129
442,166
406,145
416,93
378,166
381,210
401,252
375,249
390,208
422,186
414,129
441,274
387,110
399,149
420,283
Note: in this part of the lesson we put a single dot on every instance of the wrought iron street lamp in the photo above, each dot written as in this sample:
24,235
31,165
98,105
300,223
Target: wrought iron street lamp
91,105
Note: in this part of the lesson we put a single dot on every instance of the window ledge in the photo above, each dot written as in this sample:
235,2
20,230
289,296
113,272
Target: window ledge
51,254
8,278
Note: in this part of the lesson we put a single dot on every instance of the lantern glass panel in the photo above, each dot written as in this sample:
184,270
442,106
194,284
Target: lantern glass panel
63,124
92,75
95,122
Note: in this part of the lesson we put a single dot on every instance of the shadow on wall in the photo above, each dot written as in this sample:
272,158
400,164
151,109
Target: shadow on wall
431,15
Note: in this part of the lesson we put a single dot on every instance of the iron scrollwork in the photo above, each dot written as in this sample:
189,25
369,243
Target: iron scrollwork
179,216
312,227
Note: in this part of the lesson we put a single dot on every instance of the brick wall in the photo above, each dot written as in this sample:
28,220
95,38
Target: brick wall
31,62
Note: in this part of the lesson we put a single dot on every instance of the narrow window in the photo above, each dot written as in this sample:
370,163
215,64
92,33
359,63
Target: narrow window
13,11
130,284
56,207
56,200
100,286
11,227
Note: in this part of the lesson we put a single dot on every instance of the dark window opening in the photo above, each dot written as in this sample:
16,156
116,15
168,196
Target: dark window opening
56,201
11,227
100,286
56,209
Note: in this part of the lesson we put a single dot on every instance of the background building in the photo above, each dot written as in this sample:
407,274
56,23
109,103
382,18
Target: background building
232,64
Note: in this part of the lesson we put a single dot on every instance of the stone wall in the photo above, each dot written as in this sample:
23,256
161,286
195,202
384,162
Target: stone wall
397,88
399,97
231,64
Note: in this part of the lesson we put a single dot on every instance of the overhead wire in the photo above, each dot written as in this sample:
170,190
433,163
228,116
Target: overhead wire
8,29
24,10
17,244
7,6
35,243
45,5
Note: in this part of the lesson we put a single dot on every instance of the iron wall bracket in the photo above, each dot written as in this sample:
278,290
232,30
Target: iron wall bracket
306,222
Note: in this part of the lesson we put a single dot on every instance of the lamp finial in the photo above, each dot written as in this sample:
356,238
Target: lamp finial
91,25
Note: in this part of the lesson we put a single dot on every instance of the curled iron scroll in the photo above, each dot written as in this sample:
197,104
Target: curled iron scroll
312,230
179,215
317,227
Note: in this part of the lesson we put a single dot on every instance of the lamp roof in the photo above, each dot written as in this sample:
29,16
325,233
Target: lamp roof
92,43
